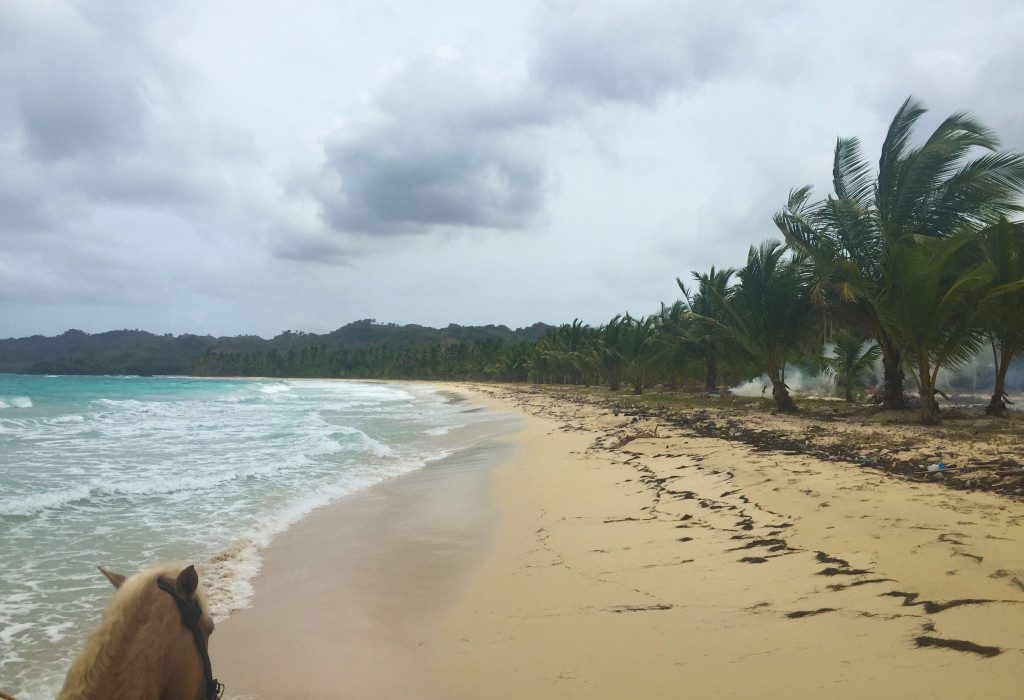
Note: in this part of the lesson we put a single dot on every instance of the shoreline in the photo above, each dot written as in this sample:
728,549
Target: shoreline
252,493
356,583
623,556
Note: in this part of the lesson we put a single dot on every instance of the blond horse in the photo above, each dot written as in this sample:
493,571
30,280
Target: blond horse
143,648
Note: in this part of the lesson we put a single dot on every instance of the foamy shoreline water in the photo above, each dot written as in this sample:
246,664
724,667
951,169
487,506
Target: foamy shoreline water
91,473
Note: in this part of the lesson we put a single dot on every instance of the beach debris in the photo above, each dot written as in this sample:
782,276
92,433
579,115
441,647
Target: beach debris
957,645
937,467
936,606
1004,475
639,435
797,614
639,608
841,568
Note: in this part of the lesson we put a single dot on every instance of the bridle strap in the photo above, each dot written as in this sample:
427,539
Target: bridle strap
190,613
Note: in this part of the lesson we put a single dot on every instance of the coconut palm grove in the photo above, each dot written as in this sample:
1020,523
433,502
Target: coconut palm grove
906,269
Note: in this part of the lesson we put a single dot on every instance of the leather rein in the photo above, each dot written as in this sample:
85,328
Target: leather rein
190,614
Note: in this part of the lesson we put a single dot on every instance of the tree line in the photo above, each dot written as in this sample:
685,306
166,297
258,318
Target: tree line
361,348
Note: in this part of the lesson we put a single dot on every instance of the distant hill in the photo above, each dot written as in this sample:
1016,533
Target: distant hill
143,353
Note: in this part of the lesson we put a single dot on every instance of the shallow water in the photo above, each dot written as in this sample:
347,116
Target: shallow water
128,471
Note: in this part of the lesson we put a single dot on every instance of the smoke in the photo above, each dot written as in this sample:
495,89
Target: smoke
968,385
798,382
756,387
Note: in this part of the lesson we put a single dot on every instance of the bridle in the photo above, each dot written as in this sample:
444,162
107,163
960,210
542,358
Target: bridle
190,614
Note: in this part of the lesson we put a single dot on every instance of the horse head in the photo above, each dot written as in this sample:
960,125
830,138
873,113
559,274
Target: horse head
150,617
187,587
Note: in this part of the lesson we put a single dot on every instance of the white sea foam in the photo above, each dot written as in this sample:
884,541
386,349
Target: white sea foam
168,481
35,502
438,431
376,447
121,403
9,632
55,633
15,402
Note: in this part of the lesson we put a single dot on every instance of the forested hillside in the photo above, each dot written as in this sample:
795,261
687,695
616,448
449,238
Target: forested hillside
363,348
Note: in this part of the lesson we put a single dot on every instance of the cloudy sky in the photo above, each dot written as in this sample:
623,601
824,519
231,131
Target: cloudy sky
249,167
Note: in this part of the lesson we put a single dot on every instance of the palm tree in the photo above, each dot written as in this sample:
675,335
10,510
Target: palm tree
604,354
851,361
933,190
933,305
768,314
675,327
1003,246
706,331
640,350
559,352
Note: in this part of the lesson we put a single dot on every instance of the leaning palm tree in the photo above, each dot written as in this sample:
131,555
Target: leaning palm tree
851,361
933,304
705,333
937,189
1003,246
768,314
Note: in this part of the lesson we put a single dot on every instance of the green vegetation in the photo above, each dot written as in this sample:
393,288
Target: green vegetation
362,349
919,264
768,314
705,333
851,362
870,224
1003,245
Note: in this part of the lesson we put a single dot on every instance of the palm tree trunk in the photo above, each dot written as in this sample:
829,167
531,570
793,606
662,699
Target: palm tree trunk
711,369
783,401
672,381
929,406
892,367
929,409
997,406
639,380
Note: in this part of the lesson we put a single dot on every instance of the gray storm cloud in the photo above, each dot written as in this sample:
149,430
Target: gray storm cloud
103,160
443,145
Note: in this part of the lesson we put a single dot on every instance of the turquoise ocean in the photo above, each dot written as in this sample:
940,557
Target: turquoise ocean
130,471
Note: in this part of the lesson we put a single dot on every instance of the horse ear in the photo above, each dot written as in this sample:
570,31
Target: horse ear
115,579
188,581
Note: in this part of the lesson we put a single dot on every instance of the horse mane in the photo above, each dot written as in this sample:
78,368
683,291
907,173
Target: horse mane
131,639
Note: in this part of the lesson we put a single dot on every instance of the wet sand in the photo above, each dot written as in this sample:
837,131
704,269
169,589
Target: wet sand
623,558
348,598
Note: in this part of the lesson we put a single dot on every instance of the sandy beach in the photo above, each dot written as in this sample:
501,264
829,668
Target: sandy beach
614,556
